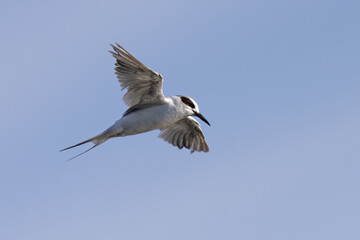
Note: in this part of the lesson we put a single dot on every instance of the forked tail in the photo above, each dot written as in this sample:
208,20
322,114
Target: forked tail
97,140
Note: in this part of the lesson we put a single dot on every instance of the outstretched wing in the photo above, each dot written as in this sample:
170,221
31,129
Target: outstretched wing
143,84
185,133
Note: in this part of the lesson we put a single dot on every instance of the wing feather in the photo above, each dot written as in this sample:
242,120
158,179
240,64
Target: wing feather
143,84
185,133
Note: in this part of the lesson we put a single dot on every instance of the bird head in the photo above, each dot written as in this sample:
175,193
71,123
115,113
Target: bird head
192,108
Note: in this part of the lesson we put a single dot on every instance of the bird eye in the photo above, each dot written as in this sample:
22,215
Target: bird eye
187,101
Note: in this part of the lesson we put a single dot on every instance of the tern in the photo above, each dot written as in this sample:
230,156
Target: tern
149,109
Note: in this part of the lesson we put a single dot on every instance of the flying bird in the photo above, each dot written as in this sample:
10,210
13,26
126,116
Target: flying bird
149,109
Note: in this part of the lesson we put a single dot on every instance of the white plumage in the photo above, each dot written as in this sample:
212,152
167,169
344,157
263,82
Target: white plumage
149,109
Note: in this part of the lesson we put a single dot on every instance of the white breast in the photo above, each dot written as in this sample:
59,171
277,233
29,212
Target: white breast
151,118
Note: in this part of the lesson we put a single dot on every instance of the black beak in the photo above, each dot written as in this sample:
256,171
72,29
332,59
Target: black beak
199,115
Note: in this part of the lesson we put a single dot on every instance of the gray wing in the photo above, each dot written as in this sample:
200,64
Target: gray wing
143,84
185,133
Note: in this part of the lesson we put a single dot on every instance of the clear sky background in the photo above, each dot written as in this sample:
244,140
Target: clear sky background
278,80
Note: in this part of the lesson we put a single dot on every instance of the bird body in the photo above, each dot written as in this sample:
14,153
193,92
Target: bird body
149,109
150,117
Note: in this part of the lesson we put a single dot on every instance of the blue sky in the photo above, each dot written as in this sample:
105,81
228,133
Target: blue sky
278,81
